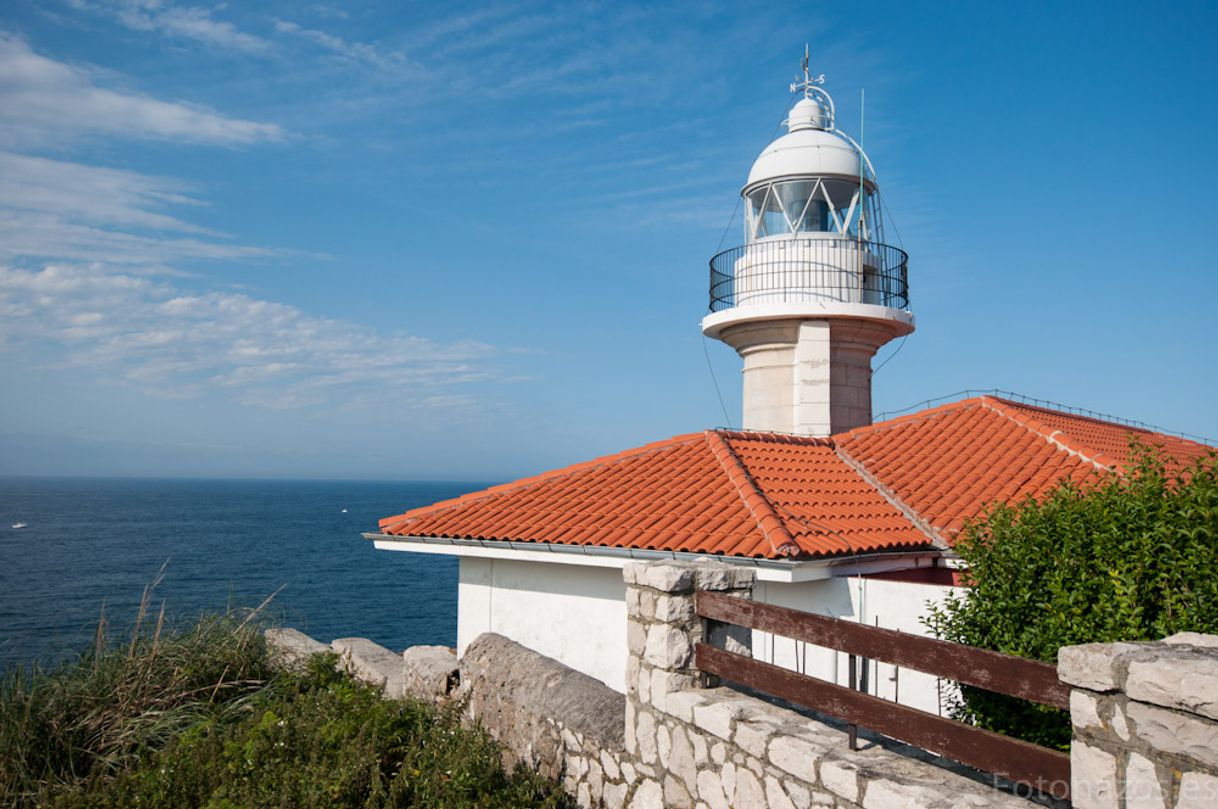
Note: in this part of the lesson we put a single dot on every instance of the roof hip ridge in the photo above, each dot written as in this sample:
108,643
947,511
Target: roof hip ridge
756,503
1057,438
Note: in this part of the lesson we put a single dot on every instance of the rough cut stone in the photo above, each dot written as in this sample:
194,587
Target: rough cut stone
749,793
1093,783
1084,710
1187,680
796,756
1093,665
775,797
372,663
675,794
840,778
716,718
667,647
674,609
646,738
430,671
290,648
1193,639
681,758
1142,789
710,789
526,699
1176,733
669,577
1197,791
884,794
648,795
614,796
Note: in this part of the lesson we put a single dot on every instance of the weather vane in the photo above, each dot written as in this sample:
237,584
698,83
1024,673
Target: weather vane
809,81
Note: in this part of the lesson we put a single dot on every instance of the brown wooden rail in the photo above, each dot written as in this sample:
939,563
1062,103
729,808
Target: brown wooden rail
993,671
1022,762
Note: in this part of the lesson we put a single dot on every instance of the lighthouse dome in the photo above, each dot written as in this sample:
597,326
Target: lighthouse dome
806,151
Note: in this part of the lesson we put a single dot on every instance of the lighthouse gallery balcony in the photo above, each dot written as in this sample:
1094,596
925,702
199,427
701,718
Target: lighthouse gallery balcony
826,269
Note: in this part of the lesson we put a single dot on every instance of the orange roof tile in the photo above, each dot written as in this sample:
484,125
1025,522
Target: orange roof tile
899,484
949,463
718,492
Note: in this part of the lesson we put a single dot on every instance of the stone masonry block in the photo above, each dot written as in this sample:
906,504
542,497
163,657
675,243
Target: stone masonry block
668,577
1175,733
373,664
667,647
430,672
1093,777
1197,791
674,609
1142,788
716,718
291,648
1186,680
1193,639
796,756
1093,666
840,778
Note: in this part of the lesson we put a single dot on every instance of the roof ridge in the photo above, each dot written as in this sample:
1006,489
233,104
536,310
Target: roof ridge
1058,438
533,480
930,412
756,503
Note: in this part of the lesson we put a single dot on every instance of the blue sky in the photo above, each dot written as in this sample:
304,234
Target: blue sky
470,242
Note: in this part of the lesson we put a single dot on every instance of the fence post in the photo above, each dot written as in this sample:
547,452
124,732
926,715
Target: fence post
1145,723
662,627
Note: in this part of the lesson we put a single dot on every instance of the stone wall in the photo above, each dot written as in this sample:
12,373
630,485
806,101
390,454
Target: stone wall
1145,719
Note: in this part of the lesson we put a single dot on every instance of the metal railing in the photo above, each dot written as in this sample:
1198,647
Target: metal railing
807,270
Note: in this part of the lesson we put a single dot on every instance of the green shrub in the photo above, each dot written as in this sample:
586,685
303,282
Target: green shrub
1132,558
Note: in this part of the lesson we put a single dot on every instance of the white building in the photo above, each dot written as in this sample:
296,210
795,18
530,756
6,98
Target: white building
837,515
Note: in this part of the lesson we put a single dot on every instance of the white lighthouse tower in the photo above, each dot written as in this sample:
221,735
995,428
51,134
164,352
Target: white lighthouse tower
814,291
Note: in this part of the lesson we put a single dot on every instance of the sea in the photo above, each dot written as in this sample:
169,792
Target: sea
91,547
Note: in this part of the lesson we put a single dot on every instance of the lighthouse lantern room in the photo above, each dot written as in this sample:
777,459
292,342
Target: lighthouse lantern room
814,291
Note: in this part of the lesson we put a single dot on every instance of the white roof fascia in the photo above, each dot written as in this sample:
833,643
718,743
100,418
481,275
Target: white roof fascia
772,570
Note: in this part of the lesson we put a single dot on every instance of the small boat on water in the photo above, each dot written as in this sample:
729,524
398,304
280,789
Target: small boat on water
20,525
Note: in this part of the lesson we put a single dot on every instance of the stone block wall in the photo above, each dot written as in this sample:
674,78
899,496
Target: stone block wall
1145,719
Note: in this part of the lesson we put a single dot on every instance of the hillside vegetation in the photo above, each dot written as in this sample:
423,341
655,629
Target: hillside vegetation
199,718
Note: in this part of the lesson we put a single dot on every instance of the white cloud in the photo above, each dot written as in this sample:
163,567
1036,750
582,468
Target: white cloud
42,99
59,210
188,22
175,342
350,51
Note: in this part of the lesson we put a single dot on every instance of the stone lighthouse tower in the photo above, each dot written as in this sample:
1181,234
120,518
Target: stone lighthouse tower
814,291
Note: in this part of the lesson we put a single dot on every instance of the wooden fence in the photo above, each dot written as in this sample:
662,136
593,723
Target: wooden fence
1022,762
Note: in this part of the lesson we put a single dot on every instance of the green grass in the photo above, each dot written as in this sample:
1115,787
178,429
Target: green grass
198,718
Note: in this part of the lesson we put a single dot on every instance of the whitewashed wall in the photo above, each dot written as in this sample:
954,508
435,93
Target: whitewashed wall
572,613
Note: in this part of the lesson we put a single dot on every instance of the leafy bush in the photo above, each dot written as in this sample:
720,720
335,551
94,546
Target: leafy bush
1134,557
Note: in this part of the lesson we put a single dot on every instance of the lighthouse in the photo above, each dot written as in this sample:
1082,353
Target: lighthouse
814,291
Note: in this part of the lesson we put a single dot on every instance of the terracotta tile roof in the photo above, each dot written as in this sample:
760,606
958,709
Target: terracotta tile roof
718,492
948,464
899,484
